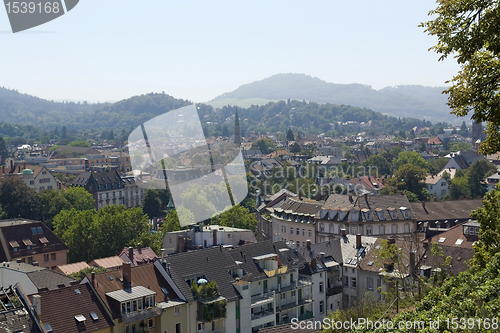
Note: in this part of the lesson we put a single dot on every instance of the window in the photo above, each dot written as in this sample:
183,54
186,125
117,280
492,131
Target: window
291,278
53,256
201,326
151,323
407,228
293,293
369,283
381,230
298,232
303,243
283,295
32,182
353,282
368,230
177,311
291,231
284,229
49,187
321,307
346,281
303,232
45,257
321,289
394,229
309,233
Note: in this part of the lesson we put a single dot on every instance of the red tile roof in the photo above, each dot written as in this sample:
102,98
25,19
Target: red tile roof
60,306
141,256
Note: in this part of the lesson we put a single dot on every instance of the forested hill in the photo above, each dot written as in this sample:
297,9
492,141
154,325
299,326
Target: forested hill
401,101
24,109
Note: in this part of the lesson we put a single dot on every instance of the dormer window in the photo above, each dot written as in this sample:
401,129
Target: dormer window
404,212
368,214
380,214
392,213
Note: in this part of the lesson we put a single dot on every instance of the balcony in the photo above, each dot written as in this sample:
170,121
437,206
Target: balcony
262,318
274,272
291,305
262,298
141,314
306,315
334,290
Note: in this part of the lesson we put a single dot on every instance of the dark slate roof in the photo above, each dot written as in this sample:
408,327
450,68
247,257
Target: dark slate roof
47,279
17,231
250,266
212,263
445,210
370,262
59,308
332,249
459,262
451,236
140,257
338,202
102,180
145,275
301,206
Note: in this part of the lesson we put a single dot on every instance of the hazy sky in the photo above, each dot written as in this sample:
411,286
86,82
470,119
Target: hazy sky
106,50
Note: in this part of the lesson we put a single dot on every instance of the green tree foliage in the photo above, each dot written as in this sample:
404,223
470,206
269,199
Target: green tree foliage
459,187
377,164
410,157
18,200
79,144
295,148
171,222
437,257
289,135
476,174
81,274
468,30
91,234
237,217
52,202
265,145
409,177
151,204
436,165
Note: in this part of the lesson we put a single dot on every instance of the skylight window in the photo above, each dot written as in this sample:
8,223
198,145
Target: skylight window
80,318
165,291
94,316
459,241
77,291
442,239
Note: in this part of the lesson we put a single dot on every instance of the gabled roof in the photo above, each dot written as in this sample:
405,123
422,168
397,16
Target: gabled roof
141,256
332,249
432,179
211,263
147,276
20,232
459,262
109,262
454,237
248,256
60,307
300,206
445,210
373,264
72,268
47,279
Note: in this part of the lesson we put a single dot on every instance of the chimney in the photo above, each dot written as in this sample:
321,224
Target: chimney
350,198
412,263
308,244
34,263
92,278
214,236
322,256
180,244
37,304
139,247
423,204
358,241
343,232
127,274
366,196
131,253
313,263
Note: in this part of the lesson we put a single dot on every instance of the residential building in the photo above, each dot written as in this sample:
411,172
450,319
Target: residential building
133,194
16,314
437,186
36,177
293,220
375,215
138,256
205,236
462,159
31,242
264,222
142,298
492,181
106,187
110,263
72,309
32,279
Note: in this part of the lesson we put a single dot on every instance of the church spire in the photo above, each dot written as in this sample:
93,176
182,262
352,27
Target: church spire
237,132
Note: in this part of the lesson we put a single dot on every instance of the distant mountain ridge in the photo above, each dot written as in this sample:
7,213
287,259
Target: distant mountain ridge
401,101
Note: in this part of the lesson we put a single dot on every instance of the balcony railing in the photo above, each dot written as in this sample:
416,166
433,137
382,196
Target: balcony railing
274,272
335,290
262,314
306,315
141,314
263,297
